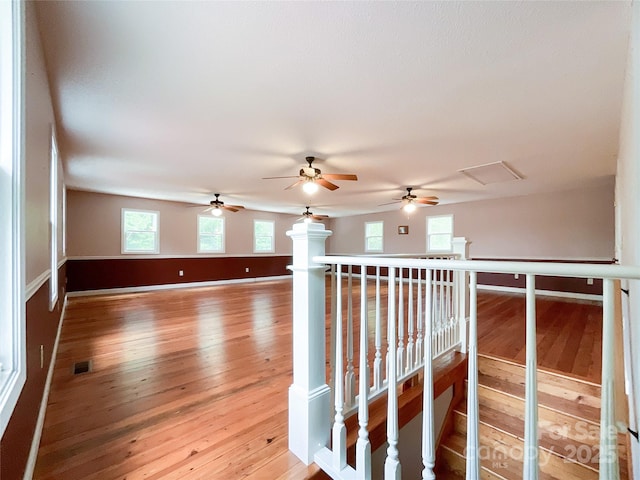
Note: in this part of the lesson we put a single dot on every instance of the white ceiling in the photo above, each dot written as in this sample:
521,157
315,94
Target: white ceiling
177,100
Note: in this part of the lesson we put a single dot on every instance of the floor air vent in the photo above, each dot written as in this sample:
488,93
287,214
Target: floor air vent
82,367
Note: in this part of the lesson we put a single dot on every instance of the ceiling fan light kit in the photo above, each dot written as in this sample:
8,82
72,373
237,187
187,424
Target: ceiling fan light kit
410,207
308,216
312,178
310,187
411,202
217,206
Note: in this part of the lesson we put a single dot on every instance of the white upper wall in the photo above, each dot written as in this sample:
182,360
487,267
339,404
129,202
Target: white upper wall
574,224
93,226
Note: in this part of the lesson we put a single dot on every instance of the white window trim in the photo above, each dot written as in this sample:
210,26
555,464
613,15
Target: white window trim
427,235
156,247
53,220
12,263
64,219
366,243
223,235
273,237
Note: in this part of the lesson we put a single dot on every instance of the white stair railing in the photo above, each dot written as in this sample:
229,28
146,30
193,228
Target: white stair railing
440,324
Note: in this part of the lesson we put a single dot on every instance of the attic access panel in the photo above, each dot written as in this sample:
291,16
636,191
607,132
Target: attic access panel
495,172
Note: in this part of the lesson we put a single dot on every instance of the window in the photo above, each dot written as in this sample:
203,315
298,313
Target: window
263,239
373,236
140,231
12,307
210,234
53,220
440,233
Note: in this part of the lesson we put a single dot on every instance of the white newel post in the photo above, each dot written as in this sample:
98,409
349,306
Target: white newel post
309,394
461,248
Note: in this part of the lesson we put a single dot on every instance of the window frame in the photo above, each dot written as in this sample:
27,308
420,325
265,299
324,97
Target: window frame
53,220
429,235
12,238
123,233
366,237
223,234
273,236
64,220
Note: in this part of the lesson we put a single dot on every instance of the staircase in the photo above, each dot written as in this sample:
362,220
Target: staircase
568,423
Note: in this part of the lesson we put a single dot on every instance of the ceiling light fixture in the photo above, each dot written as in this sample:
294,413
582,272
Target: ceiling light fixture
409,207
216,212
310,187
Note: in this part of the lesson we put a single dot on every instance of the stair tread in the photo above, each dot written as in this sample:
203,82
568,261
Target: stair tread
576,409
553,440
554,383
493,460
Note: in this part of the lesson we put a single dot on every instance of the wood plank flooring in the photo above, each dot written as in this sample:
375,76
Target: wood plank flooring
192,383
569,333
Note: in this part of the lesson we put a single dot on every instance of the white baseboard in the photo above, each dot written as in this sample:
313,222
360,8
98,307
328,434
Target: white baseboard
37,434
546,293
171,286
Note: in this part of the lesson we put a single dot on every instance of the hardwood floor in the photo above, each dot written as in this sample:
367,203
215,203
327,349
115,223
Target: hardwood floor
569,333
192,383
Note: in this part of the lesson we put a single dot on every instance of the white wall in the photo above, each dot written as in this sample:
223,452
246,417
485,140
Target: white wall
93,226
574,224
628,199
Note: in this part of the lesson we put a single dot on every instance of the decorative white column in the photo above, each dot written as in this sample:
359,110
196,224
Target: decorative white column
309,395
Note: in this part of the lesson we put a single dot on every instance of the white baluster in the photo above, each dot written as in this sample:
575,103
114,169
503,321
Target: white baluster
609,464
410,321
350,377
442,314
447,287
434,312
530,464
332,332
392,462
363,446
377,362
428,439
339,443
400,352
419,320
473,439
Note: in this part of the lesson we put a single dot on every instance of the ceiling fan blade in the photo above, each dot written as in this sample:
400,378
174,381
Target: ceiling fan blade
339,176
319,217
207,209
294,184
237,207
230,208
272,178
427,198
389,203
326,184
424,201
